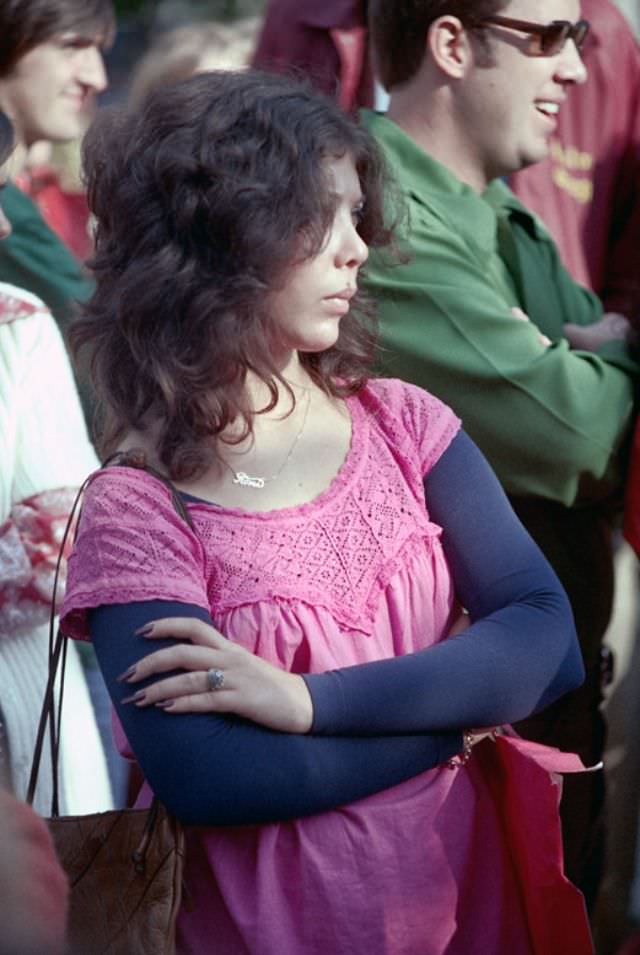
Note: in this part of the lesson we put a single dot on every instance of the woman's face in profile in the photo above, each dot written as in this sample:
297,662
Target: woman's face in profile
317,293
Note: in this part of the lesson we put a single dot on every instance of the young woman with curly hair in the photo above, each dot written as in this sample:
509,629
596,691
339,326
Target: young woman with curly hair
279,663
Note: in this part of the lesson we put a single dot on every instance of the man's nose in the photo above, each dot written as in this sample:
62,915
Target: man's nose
92,72
571,67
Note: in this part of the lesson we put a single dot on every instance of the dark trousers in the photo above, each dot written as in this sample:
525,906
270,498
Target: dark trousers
578,544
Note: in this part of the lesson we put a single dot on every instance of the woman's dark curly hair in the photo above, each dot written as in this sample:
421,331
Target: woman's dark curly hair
204,198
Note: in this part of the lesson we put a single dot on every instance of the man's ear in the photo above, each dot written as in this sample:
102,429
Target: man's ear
449,47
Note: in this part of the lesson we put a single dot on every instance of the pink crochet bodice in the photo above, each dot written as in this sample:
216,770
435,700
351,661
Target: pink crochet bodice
337,552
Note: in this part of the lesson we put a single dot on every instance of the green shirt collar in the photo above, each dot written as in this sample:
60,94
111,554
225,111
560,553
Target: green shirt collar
430,183
504,202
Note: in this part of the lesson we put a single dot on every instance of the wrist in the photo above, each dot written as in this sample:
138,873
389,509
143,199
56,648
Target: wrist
302,705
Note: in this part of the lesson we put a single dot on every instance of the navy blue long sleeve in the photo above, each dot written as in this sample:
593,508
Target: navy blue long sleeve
521,652
214,769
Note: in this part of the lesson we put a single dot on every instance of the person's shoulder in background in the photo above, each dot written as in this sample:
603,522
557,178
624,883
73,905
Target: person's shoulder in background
33,885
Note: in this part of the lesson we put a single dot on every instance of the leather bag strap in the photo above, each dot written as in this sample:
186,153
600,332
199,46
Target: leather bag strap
57,660
51,712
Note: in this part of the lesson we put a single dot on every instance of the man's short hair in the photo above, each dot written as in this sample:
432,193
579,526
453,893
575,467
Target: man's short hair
25,24
398,30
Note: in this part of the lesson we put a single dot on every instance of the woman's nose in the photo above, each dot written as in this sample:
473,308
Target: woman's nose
354,251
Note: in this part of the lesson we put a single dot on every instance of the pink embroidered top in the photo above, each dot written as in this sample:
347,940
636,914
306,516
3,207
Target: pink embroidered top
356,575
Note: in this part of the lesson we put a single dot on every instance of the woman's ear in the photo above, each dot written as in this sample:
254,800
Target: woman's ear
448,46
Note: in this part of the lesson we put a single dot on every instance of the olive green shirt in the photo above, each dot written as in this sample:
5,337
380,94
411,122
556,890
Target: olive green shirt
550,420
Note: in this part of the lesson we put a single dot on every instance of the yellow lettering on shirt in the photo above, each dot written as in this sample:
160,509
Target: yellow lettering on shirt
568,162
570,157
579,189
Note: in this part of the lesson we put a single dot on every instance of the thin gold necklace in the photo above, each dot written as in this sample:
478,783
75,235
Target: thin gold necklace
246,480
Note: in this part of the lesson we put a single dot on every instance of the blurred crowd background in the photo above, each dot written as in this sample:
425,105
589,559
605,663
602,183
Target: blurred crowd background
140,22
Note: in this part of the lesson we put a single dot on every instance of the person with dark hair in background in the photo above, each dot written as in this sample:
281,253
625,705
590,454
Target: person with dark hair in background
587,193
282,658
587,189
50,68
478,314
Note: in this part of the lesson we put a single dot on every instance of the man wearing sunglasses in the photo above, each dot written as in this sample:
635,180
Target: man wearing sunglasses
477,313
586,190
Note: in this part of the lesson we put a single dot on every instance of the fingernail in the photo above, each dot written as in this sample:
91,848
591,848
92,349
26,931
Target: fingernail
144,631
135,697
127,674
165,704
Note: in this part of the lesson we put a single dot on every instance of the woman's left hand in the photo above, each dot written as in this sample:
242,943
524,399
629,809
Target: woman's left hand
247,685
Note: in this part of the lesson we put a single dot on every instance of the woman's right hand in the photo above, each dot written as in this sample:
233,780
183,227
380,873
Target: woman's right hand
249,687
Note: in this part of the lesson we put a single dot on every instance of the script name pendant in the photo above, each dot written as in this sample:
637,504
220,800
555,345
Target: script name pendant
244,480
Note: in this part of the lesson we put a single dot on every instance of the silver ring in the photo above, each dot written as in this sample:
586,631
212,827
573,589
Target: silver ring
215,679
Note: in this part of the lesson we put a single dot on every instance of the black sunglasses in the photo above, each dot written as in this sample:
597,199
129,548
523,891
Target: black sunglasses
547,38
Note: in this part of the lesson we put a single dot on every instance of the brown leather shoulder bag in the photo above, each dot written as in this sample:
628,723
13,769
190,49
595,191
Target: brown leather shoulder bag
125,867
